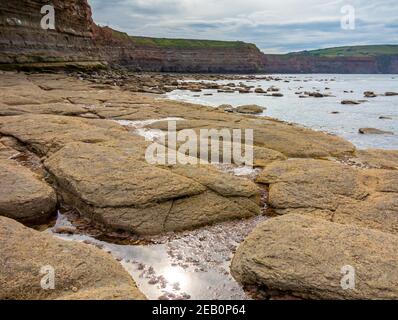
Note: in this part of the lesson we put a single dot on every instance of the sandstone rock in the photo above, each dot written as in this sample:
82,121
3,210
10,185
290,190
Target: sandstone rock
6,152
48,133
370,94
354,102
250,109
312,184
304,257
379,211
244,90
222,183
66,109
81,271
23,196
374,131
385,118
316,94
226,108
334,192
384,159
134,196
273,89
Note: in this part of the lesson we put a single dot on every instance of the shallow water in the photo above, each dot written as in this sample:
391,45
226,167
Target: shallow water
188,265
316,113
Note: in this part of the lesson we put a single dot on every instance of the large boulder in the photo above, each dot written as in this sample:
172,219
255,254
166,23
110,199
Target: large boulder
305,257
81,271
335,192
250,109
312,184
123,192
48,133
24,196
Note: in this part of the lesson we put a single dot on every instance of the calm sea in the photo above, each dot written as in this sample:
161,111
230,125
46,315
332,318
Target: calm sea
319,113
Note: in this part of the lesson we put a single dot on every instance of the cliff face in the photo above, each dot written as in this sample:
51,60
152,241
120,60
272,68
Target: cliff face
118,48
350,65
22,40
78,41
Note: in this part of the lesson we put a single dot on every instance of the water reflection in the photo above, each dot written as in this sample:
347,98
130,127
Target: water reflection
189,265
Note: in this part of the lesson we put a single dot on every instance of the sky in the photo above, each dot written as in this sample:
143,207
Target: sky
275,26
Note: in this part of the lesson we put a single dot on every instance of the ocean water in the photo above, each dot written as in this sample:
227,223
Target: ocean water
317,113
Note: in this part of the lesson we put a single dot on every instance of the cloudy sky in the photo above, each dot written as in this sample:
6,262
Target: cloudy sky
276,26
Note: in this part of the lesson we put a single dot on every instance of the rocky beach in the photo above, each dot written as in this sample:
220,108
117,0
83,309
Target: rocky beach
65,144
84,215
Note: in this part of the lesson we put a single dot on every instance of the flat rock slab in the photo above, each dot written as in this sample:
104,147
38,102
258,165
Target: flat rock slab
123,192
304,256
376,158
335,192
81,271
48,133
23,195
308,183
66,109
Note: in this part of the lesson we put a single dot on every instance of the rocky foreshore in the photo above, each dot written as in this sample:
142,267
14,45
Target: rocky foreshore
79,141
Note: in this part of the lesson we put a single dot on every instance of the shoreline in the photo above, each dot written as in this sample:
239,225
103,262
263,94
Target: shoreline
315,184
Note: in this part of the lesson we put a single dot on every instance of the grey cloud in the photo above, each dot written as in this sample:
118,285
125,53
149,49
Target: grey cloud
274,25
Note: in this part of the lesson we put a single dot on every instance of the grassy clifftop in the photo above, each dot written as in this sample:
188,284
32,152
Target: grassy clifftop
178,43
189,43
353,51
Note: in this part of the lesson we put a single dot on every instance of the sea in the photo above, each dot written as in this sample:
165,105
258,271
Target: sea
326,114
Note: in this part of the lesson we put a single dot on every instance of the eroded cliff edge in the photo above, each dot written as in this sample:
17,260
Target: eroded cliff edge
78,42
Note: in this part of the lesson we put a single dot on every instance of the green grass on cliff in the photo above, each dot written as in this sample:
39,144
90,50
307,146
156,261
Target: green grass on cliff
189,43
180,43
353,51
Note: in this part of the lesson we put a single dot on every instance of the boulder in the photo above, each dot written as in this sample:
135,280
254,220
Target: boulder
374,131
354,102
81,271
370,94
335,192
379,211
250,109
121,191
259,90
307,258
391,94
311,184
24,196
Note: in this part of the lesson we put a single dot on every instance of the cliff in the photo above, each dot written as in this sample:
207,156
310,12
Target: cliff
78,42
349,65
24,42
177,55
355,60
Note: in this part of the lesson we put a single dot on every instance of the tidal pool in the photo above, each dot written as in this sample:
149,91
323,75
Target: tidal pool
187,265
